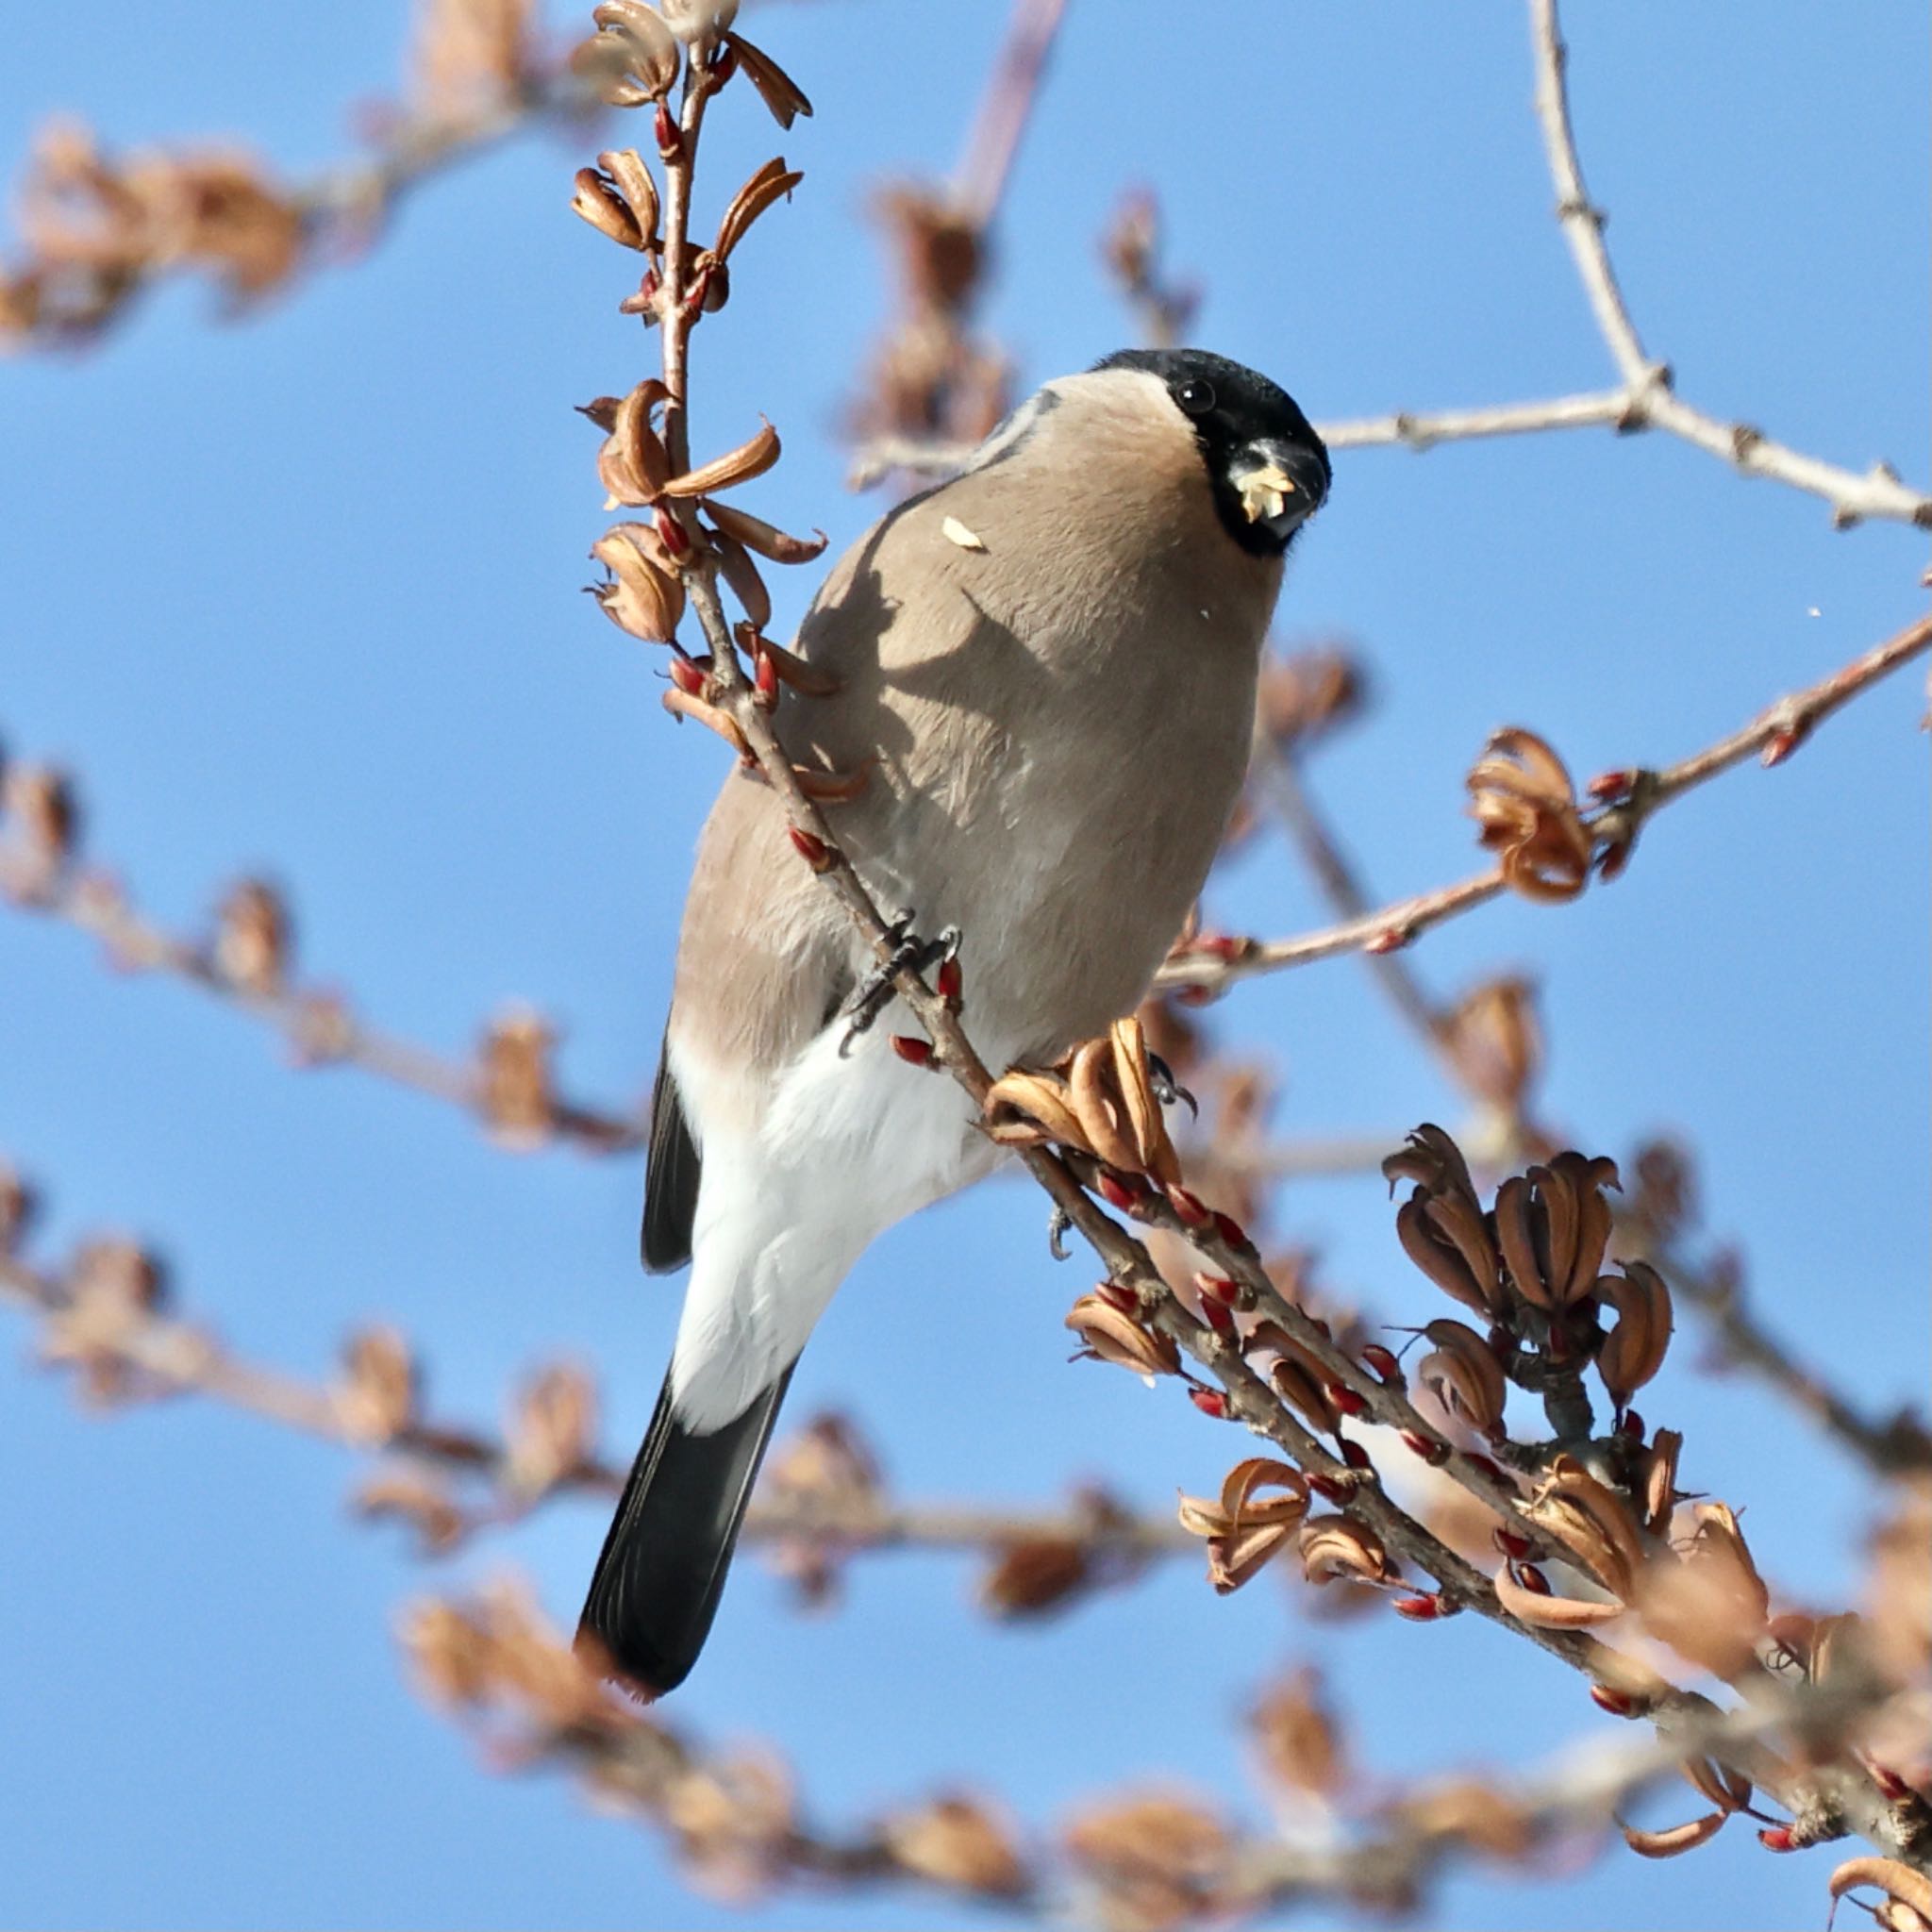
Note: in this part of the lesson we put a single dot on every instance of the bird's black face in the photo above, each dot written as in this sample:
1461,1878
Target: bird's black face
1267,469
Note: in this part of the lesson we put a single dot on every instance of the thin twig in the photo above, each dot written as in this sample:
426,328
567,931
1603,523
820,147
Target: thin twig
1650,401
1779,731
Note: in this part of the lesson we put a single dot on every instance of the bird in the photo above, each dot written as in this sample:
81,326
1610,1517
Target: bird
1049,663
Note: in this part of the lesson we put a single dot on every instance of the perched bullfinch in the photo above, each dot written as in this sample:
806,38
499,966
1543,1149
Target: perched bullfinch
1050,660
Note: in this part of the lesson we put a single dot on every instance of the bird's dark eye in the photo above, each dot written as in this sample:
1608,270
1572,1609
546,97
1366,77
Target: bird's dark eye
1196,396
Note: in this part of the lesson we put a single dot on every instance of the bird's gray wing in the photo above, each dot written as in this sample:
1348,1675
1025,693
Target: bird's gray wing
671,1178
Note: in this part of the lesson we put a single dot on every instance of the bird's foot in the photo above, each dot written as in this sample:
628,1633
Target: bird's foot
1167,1089
909,954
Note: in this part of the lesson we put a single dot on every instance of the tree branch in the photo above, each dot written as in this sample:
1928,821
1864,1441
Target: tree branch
1649,400
1774,733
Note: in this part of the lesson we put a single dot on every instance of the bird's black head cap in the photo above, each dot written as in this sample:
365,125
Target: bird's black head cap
1244,425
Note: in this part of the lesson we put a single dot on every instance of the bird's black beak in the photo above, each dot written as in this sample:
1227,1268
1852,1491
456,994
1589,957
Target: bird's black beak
1279,483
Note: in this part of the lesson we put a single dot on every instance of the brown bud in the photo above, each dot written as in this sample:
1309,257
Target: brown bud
252,938
516,1097
956,1844
378,1391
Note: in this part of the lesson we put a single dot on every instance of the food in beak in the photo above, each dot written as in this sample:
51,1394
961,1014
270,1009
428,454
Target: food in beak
1265,493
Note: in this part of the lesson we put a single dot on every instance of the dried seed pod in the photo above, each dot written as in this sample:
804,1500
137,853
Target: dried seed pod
1592,1522
633,465
645,595
1902,1886
833,788
1633,1349
767,540
1542,1609
1043,1105
1496,1040
741,574
776,89
1089,1092
1446,1237
1553,1224
1300,1742
634,57
696,19
1245,1527
799,674
1463,1372
1032,1578
750,459
682,704
1675,1839
1338,1547
771,183
1297,1375
1520,795
597,202
633,180
1109,1334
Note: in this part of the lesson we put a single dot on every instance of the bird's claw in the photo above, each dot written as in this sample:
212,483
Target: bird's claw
909,954
1167,1089
1057,1224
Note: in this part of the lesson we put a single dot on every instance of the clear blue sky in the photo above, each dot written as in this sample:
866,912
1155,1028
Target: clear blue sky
302,594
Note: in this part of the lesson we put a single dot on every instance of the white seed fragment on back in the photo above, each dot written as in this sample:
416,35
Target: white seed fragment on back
955,532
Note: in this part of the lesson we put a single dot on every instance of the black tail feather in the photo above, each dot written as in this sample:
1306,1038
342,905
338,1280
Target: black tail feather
662,1569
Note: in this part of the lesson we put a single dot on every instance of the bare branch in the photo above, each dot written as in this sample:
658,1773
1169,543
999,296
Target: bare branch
1649,399
1774,734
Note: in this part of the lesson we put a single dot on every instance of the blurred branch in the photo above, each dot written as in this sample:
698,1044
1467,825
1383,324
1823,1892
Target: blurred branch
101,230
248,965
1648,399
1774,733
1005,110
1899,1445
103,1315
1140,1859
